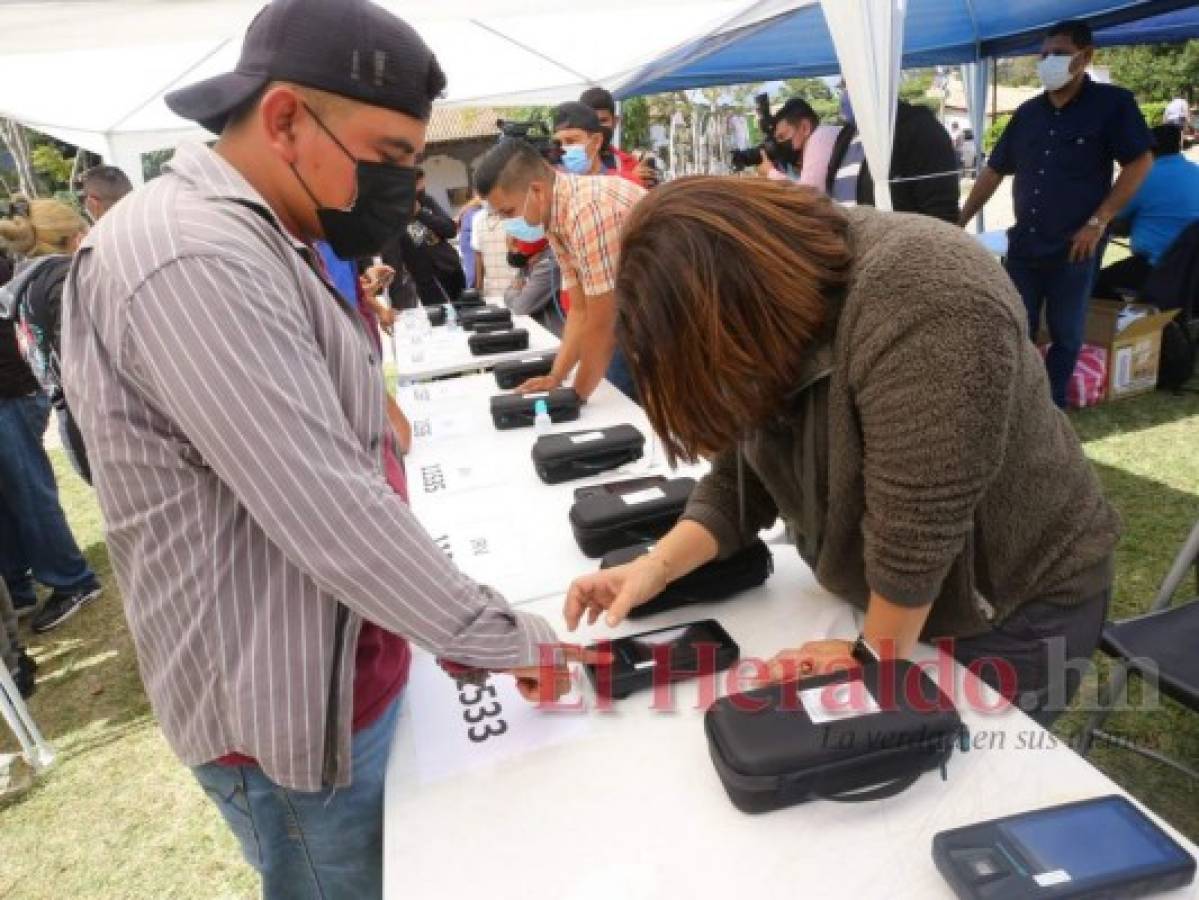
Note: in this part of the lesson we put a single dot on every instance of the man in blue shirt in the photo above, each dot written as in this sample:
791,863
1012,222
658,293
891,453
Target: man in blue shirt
1061,146
1166,204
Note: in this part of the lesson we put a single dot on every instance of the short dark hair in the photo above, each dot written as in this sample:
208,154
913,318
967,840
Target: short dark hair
507,162
573,114
598,98
1167,140
108,183
795,111
1078,31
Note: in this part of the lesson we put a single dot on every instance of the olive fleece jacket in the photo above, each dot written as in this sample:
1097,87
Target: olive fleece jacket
920,455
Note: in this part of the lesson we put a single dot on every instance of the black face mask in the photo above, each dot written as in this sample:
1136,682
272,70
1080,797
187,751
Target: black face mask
383,205
517,260
607,133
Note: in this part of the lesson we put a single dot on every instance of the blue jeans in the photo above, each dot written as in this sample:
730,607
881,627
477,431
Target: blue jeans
327,844
622,379
35,540
1063,288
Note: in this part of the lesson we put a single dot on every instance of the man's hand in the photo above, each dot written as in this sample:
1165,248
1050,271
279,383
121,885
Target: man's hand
617,590
546,684
1086,241
539,384
377,279
813,658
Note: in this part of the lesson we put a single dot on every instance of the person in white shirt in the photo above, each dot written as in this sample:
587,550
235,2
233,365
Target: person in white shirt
493,275
1177,112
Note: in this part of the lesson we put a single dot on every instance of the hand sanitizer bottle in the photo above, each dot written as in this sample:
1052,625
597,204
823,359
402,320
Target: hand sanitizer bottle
541,418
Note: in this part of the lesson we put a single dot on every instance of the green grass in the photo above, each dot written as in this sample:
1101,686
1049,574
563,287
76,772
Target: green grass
119,816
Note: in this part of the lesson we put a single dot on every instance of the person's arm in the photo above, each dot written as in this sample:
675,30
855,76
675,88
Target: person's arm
536,292
596,342
569,351
984,188
400,425
709,528
258,404
1086,241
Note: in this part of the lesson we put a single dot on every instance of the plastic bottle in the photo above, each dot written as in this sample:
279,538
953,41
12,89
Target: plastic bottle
541,418
451,318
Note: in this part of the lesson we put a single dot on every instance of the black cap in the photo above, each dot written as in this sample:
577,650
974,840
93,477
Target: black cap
573,114
349,47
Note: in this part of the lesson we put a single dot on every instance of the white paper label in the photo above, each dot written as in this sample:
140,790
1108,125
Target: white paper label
1049,879
587,438
540,395
1123,368
529,362
836,702
654,493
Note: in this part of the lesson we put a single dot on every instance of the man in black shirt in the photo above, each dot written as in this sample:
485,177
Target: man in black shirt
424,249
1061,147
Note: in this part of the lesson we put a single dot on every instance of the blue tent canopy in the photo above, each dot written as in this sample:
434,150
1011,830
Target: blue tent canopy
796,42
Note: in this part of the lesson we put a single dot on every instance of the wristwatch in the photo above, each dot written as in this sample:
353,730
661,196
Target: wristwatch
1097,223
863,653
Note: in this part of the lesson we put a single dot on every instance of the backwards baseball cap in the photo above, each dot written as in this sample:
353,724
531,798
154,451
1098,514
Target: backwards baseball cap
573,114
352,48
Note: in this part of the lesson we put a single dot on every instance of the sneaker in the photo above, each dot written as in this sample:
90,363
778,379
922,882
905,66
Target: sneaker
61,605
25,677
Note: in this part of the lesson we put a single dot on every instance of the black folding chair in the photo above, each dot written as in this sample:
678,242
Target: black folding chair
1161,646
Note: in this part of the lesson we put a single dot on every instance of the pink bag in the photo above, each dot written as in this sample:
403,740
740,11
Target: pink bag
1088,384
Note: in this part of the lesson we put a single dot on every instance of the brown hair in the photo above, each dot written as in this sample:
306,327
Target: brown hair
49,228
722,284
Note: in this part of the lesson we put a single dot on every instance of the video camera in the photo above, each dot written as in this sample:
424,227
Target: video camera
533,132
752,156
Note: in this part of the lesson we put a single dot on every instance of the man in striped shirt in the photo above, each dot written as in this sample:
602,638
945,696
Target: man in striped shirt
235,413
582,215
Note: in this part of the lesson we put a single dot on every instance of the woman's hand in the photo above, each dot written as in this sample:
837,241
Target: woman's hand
811,659
616,590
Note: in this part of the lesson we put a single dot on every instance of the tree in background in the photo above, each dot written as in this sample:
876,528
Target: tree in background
1155,71
1019,71
634,123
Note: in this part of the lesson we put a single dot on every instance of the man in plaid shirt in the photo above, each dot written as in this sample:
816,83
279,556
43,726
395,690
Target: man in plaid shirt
582,216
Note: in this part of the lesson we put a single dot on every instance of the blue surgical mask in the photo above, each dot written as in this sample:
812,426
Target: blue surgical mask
519,227
575,160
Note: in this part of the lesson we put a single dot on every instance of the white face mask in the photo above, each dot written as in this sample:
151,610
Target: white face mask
1055,72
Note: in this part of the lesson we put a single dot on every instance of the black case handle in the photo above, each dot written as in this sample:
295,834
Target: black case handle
880,792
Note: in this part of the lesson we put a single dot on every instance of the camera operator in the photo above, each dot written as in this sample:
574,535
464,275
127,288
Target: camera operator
801,146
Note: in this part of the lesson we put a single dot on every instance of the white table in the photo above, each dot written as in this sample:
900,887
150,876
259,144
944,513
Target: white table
447,353
994,241
626,804
475,490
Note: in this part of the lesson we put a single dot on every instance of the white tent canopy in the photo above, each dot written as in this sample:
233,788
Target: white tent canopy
94,73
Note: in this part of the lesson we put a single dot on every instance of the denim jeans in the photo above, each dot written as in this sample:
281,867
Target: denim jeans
326,845
1063,289
35,540
1032,641
622,379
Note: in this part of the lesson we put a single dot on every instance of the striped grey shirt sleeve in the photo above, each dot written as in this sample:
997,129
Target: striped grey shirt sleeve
236,366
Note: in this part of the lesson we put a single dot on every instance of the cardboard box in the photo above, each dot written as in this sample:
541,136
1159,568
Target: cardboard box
1132,354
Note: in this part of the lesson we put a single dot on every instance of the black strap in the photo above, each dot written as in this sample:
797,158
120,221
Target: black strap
880,792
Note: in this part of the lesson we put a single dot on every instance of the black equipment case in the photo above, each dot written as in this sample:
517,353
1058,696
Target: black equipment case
498,342
515,372
720,579
865,733
604,521
578,454
515,411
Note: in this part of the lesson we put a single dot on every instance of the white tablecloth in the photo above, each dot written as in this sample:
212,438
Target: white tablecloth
626,804
475,490
446,352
